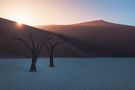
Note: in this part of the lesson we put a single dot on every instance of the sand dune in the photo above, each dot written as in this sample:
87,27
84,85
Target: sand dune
9,47
98,38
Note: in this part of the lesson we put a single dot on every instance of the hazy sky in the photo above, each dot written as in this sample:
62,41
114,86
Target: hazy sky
43,12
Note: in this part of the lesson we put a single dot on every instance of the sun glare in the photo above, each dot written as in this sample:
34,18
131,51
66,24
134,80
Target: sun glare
21,19
19,24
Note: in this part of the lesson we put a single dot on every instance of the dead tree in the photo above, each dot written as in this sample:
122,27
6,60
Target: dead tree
33,46
35,50
51,47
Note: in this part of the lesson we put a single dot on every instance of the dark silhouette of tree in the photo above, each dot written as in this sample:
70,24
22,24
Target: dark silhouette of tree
34,48
51,47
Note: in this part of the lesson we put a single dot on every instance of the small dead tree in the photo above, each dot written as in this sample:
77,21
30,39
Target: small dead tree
33,46
51,47
34,49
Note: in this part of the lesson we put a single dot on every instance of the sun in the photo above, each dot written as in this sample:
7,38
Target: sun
19,24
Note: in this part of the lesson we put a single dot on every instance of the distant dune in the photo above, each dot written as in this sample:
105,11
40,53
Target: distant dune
9,47
98,38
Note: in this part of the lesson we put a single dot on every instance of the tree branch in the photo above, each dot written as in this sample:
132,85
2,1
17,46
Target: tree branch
42,44
48,46
59,40
25,43
33,43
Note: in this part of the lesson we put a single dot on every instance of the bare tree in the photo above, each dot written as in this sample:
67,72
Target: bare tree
51,47
34,48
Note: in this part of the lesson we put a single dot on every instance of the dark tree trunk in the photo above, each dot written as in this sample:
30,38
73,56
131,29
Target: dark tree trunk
33,64
51,64
33,67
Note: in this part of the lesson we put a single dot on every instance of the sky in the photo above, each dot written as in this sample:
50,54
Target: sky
45,12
